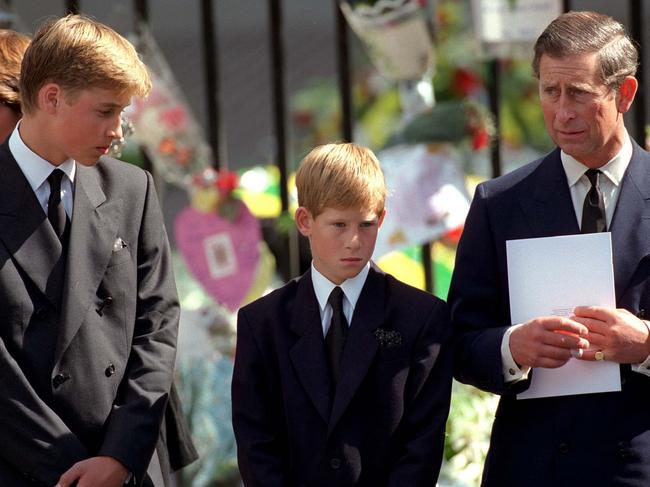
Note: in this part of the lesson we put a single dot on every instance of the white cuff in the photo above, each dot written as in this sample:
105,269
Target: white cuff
511,371
643,367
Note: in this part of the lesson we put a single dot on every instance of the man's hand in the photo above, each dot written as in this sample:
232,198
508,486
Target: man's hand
547,341
95,472
617,333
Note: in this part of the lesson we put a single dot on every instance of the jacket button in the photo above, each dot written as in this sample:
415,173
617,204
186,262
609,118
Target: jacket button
564,448
110,370
41,313
59,379
335,463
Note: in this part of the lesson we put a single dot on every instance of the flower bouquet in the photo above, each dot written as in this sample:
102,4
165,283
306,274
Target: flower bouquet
396,35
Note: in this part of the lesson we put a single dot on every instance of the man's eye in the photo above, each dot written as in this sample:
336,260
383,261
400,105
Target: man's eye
582,95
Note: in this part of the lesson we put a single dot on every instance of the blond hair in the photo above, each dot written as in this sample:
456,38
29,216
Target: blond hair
12,49
341,176
77,52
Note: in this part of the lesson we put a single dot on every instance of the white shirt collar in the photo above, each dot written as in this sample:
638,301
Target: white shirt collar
614,169
351,287
34,167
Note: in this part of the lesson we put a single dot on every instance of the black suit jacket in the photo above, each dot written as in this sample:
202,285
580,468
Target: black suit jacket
592,439
87,343
383,425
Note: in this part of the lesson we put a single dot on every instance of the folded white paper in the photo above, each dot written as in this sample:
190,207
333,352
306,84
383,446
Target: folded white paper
551,276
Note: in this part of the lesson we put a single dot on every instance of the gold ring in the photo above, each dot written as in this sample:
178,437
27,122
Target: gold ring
599,355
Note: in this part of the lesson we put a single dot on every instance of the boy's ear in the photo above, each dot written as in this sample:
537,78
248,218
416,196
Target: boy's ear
50,96
380,220
304,221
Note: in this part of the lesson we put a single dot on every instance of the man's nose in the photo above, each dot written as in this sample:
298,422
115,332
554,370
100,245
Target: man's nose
565,111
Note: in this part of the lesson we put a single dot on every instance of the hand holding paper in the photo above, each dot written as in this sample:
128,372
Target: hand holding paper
566,271
618,334
547,341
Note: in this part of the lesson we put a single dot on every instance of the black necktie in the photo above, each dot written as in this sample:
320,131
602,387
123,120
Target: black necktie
55,209
336,335
593,209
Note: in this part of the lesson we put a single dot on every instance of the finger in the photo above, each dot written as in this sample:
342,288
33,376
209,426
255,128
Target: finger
593,325
596,312
566,340
554,353
566,325
598,342
549,363
590,355
70,476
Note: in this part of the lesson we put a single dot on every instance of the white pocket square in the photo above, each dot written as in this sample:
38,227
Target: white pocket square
119,244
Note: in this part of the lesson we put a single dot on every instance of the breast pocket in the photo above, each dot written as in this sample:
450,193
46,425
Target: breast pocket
119,257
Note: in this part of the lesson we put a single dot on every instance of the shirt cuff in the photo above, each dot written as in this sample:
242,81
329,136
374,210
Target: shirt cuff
511,371
643,367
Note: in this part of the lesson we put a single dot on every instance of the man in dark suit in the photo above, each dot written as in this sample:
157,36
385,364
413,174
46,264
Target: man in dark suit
317,402
598,179
89,306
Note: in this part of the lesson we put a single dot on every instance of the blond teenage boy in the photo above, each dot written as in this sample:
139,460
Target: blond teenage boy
342,377
89,308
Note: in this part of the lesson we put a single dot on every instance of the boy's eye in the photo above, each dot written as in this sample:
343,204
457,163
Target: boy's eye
339,224
367,224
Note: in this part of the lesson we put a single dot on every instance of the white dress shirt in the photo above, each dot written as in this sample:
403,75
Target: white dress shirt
37,170
579,186
351,291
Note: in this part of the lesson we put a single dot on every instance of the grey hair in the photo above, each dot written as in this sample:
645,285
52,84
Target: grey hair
586,32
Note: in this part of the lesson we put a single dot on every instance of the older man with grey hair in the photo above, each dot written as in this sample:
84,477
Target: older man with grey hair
597,179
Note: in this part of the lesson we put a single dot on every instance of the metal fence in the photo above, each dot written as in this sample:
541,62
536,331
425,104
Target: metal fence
214,130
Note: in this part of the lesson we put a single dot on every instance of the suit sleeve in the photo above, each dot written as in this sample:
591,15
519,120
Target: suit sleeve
426,405
134,423
257,422
478,301
35,441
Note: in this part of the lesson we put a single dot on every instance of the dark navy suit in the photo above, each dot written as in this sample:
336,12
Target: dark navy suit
382,426
590,440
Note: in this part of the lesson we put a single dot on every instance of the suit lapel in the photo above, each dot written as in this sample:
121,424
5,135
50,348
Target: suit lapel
631,222
26,232
546,200
92,234
549,211
361,345
308,353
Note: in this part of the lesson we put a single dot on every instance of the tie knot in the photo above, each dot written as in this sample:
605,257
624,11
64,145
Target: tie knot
55,180
592,175
336,299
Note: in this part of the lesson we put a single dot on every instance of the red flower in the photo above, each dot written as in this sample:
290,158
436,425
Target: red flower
465,82
226,182
453,236
480,139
